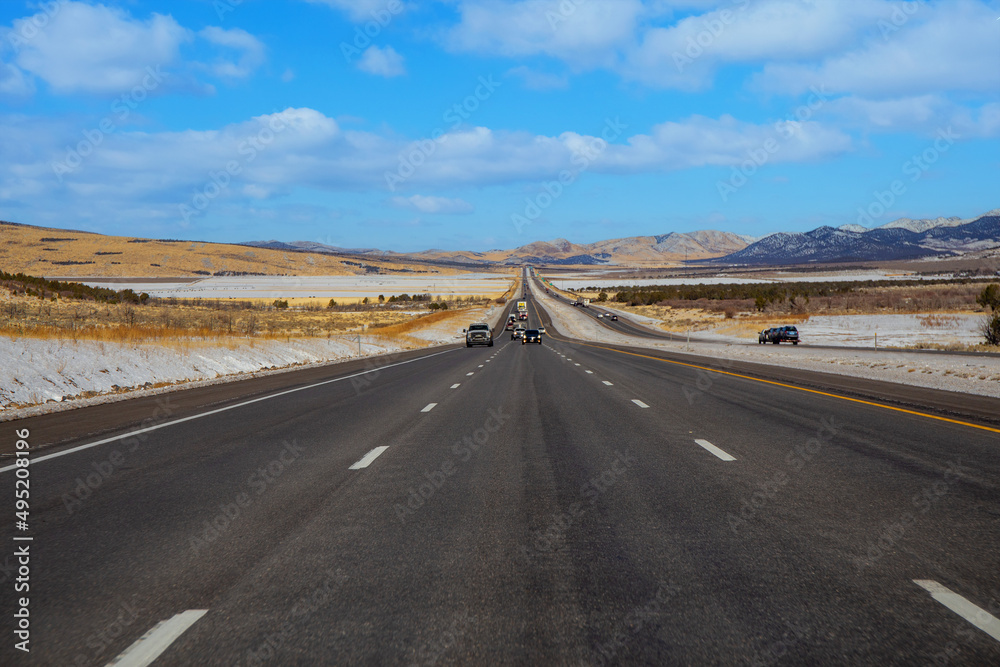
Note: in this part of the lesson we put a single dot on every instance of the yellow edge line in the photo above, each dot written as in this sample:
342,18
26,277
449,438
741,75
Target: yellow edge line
811,391
788,386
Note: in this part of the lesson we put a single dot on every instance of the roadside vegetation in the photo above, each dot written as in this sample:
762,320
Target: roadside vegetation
39,308
743,309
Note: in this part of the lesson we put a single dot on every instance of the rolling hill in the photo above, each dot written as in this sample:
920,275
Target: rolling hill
50,252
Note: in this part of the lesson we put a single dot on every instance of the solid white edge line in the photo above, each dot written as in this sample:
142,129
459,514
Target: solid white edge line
607,383
715,450
218,410
367,459
429,407
978,617
639,403
148,648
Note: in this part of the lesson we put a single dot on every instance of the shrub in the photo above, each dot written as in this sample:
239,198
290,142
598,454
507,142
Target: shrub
280,304
990,297
990,328
332,304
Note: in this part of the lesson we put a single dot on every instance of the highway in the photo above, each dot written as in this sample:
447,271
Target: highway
568,503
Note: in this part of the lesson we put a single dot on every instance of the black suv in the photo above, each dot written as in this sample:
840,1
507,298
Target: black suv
786,334
531,336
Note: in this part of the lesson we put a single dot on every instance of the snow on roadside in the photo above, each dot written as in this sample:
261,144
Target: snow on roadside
970,374
47,373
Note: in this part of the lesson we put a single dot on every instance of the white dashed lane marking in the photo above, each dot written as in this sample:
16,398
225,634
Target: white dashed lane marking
639,403
456,385
979,617
608,383
429,407
715,450
367,459
148,648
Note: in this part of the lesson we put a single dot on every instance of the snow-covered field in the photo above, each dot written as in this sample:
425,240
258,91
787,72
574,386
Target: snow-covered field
274,287
961,373
54,372
581,280
867,330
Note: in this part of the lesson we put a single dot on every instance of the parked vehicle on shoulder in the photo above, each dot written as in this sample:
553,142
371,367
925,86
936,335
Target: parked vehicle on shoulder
479,333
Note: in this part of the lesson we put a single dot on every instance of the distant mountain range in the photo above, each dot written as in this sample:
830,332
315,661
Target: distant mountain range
632,251
900,239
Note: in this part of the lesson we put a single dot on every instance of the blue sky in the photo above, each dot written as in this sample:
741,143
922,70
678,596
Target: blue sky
478,124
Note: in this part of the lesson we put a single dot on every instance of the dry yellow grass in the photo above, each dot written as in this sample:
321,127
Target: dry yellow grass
210,320
42,251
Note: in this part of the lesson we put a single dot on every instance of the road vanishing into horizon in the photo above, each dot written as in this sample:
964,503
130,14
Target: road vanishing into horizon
563,503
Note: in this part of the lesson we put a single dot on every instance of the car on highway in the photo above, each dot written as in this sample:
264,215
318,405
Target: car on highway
541,330
776,335
479,333
787,334
518,332
614,318
531,336
600,315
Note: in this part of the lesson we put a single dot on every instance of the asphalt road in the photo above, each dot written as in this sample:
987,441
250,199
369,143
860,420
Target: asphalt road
553,504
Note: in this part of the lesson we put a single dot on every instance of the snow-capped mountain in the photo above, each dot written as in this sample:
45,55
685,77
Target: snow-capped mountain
900,239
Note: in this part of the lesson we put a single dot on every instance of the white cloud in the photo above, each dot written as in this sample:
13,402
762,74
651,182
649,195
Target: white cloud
272,155
382,62
97,49
425,204
941,47
581,33
13,83
252,51
923,114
